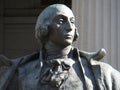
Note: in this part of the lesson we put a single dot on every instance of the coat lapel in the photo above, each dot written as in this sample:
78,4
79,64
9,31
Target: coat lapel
94,68
98,74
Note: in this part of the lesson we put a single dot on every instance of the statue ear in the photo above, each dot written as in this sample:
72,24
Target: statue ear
76,34
41,34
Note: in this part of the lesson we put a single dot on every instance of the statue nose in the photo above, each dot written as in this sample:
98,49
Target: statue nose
69,26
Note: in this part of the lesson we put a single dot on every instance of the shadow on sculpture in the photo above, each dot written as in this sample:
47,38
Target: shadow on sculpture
58,65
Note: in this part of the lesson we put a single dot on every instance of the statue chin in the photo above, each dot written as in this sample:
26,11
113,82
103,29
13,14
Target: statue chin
64,44
68,42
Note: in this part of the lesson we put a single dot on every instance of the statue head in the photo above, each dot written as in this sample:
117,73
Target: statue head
55,20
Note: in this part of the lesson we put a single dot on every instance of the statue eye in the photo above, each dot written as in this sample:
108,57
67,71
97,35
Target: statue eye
60,21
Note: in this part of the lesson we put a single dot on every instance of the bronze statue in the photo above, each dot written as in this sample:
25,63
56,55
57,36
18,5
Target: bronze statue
58,65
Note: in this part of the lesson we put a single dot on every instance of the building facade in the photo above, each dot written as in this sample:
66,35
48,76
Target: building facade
98,22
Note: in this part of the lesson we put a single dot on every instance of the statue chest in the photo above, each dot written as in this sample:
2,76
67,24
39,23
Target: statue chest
28,78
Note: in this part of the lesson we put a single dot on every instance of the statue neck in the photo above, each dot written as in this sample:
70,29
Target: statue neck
55,51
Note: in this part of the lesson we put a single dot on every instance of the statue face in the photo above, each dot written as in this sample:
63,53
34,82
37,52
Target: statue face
62,27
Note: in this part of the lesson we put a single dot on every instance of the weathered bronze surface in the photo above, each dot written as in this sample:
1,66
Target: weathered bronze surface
58,65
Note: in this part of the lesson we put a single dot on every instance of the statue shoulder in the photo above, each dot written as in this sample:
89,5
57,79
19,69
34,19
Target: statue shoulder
30,57
5,61
108,74
105,67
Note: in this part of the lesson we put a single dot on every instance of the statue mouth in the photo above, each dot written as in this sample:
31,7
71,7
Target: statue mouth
68,36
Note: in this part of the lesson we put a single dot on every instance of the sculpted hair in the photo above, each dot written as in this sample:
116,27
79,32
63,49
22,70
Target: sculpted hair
44,20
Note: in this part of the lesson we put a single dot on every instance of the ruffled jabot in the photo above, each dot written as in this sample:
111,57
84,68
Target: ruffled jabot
55,72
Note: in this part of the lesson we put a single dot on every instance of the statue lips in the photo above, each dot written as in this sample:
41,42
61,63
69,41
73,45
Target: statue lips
68,36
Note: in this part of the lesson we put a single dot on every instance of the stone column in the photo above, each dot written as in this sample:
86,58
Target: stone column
98,22
118,33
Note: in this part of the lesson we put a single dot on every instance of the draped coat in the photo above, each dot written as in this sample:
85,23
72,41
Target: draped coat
12,72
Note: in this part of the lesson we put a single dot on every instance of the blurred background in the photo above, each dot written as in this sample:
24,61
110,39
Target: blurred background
98,22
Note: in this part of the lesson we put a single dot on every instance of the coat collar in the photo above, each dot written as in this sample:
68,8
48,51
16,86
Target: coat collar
95,67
